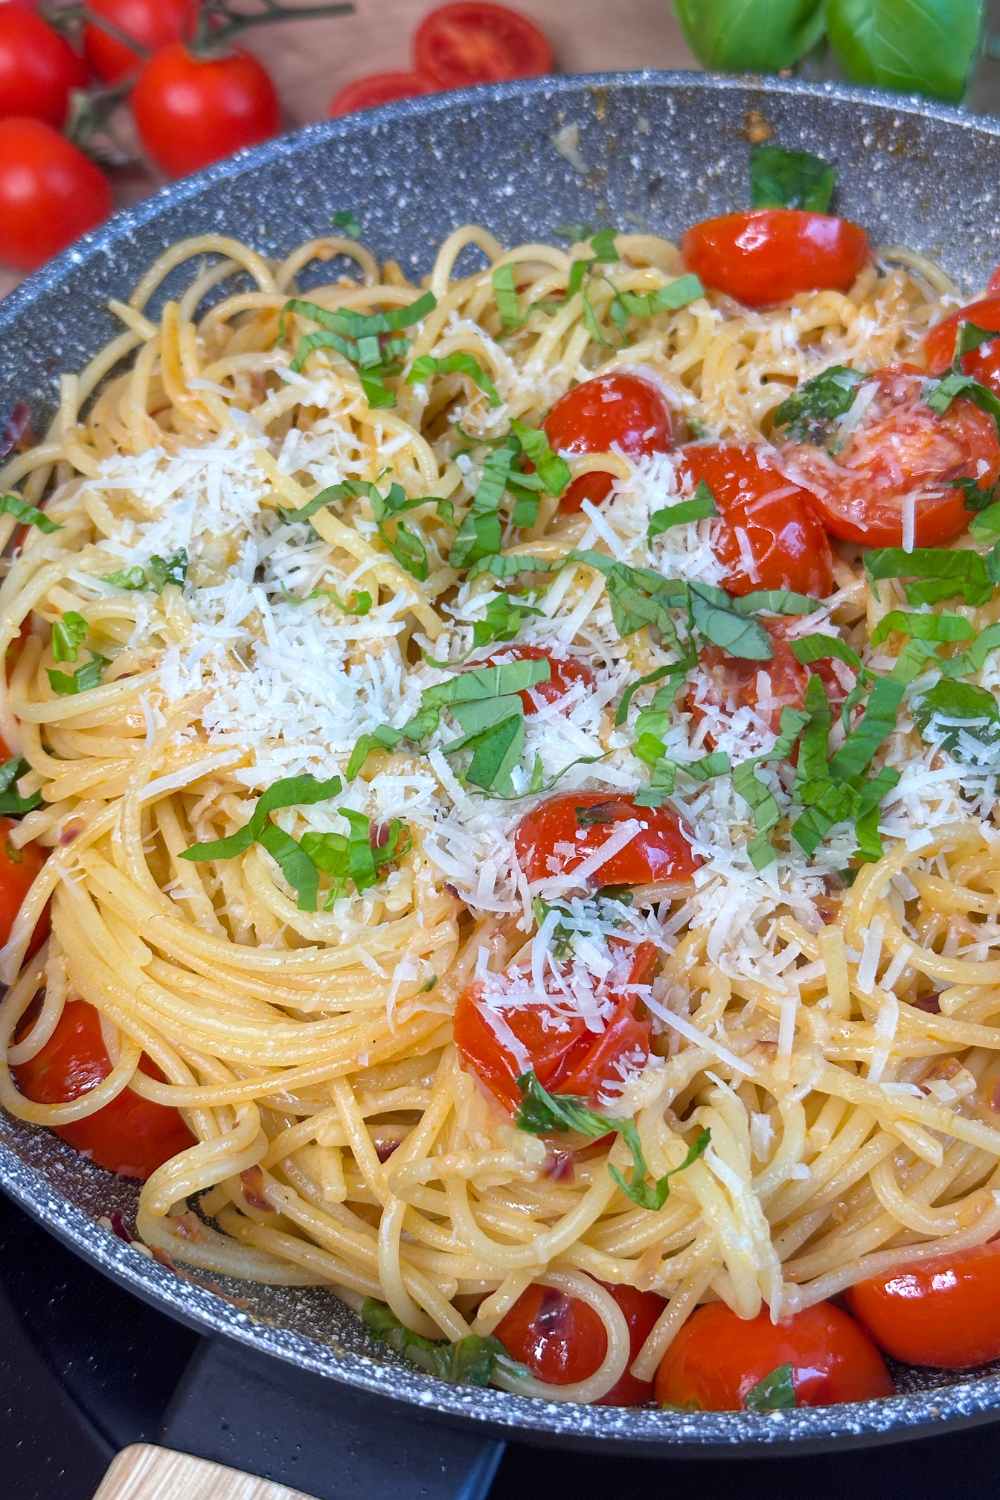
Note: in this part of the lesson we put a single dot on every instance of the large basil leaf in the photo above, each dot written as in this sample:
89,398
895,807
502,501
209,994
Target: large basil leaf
743,36
927,46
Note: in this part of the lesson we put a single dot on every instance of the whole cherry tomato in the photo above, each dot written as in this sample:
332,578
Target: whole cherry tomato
769,536
563,1053
564,672
943,1312
618,410
767,255
901,448
150,23
192,110
717,1358
38,67
50,193
983,362
18,868
131,1136
583,820
735,683
562,1340
378,88
473,41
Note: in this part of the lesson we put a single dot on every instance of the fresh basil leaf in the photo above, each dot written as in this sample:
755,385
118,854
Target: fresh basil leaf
507,299
28,515
638,596
717,617
818,647
923,46
68,635
790,179
876,724
603,245
943,573
922,627
950,387
505,566
155,576
811,411
676,294
590,322
502,621
656,675
459,363
701,504
776,1392
764,809
481,533
664,773
359,857
81,681
347,220
470,1361
553,471
774,602
866,818
985,526
751,36
963,701
815,735
11,802
970,661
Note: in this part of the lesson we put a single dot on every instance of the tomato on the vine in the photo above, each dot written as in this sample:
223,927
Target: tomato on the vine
943,1312
50,193
767,255
617,410
151,24
38,68
192,110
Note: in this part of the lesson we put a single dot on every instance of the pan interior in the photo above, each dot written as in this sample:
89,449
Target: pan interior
644,151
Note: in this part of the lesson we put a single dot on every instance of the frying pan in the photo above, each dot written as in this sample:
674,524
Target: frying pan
654,150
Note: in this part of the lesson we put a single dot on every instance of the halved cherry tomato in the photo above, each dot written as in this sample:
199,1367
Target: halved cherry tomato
618,410
779,529
377,88
475,42
192,110
582,821
982,363
737,683
943,1312
562,1340
131,1136
717,1358
38,68
18,868
564,1054
993,285
150,23
770,254
564,671
901,448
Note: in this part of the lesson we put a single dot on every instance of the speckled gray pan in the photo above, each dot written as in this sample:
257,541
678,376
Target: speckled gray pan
659,151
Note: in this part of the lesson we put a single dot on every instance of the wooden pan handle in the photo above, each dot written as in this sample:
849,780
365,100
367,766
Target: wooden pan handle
143,1472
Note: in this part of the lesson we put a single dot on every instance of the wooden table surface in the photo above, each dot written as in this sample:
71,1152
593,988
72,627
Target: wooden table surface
311,60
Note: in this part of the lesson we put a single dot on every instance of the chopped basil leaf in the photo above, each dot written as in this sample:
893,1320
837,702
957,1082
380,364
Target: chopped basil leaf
481,534
790,179
985,526
361,339
950,700
28,515
507,298
818,647
68,635
82,680
359,603
972,659
719,618
502,622
669,298
943,573
701,504
626,699
866,818
764,808
922,627
969,336
637,596
505,566
603,245
553,471
776,1392
358,857
470,1361
774,602
876,724
11,802
954,385
590,322
459,363
155,576
346,220
664,772
815,406
405,545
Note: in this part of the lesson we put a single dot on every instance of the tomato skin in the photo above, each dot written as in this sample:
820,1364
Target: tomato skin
561,1339
735,681
50,193
768,255
659,851
983,363
570,1060
901,446
377,88
38,67
18,869
472,41
150,23
942,1312
618,409
717,1358
564,671
131,1136
191,111
786,540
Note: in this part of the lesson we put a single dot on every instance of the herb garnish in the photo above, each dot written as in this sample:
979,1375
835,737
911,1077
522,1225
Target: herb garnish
701,504
347,220
776,1392
366,340
469,1361
942,573
403,543
28,515
811,412
157,573
11,802
790,179
68,635
459,363
81,681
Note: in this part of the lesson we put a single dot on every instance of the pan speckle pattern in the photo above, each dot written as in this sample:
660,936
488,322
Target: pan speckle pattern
658,150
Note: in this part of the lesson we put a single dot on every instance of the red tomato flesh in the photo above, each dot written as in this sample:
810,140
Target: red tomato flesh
131,1136
784,539
564,672
50,193
562,1340
18,868
943,1312
717,1358
617,410
658,851
767,255
475,42
736,683
565,1056
191,111
38,67
901,448
150,23
377,88
982,363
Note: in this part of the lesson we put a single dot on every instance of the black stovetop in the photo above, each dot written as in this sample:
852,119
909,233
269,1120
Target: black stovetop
86,1369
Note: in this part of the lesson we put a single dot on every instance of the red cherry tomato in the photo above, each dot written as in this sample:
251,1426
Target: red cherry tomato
658,851
901,448
943,1312
50,193
565,1056
377,88
564,671
735,683
131,1136
38,67
562,1340
191,111
474,42
18,868
150,23
717,1358
617,410
982,363
769,254
780,532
